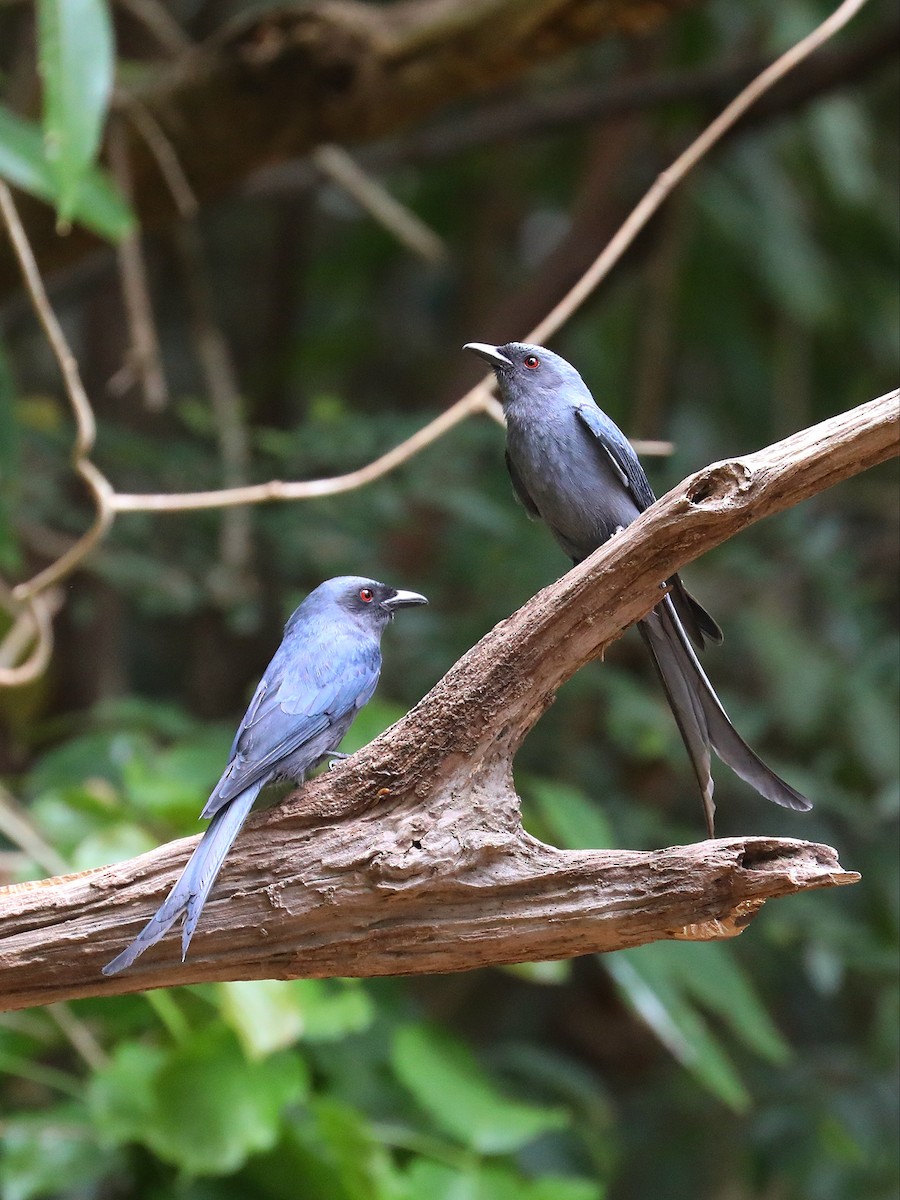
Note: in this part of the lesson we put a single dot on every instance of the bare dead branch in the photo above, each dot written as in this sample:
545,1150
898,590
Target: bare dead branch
530,113
410,856
336,71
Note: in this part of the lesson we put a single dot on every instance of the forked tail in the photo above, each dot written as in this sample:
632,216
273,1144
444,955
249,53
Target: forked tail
192,888
702,720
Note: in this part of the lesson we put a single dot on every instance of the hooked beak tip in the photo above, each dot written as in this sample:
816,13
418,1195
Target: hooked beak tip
490,354
403,600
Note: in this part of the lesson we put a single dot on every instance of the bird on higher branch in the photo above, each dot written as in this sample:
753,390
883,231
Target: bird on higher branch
574,469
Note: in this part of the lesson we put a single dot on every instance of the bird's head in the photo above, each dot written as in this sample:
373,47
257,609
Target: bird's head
530,373
370,603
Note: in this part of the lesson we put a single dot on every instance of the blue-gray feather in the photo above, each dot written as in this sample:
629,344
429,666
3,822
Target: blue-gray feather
572,467
322,674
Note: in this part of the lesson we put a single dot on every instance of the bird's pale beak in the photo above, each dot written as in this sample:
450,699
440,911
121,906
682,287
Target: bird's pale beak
490,353
401,600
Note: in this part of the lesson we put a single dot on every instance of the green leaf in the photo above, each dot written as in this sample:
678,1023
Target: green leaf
573,820
264,1014
96,754
200,1106
846,149
545,973
332,1008
644,979
360,1162
271,1014
637,720
174,783
23,163
51,1153
215,1109
490,1181
709,972
77,62
121,1094
448,1083
120,841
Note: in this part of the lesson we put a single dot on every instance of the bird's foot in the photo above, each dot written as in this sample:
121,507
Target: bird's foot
334,757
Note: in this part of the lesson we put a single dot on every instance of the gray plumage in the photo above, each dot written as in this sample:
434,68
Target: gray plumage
322,674
574,469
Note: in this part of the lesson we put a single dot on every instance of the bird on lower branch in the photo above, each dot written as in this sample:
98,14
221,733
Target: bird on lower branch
323,673
574,469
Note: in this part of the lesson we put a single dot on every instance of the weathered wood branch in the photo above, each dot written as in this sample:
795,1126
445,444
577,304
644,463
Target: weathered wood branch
411,856
276,84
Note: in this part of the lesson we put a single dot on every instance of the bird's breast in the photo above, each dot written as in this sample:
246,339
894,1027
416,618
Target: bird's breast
570,480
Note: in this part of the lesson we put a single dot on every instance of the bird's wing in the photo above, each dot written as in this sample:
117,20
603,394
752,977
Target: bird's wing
250,714
299,698
618,451
700,626
520,490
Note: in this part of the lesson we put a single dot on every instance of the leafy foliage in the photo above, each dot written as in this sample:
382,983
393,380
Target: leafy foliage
56,161
23,162
76,63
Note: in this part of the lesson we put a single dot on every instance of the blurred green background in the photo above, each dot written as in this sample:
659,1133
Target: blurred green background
299,339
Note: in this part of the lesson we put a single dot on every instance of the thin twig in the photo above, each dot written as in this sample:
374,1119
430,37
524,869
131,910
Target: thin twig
158,21
373,197
686,162
34,623
144,357
85,425
16,827
224,395
162,150
480,398
276,489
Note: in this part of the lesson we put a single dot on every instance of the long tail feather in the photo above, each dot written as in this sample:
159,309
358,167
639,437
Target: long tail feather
192,888
701,717
222,831
687,711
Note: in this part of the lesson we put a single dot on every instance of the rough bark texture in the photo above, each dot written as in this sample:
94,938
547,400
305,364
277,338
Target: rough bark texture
410,856
275,85
403,889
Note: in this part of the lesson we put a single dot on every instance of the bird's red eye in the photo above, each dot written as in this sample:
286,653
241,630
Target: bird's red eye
367,595
532,362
